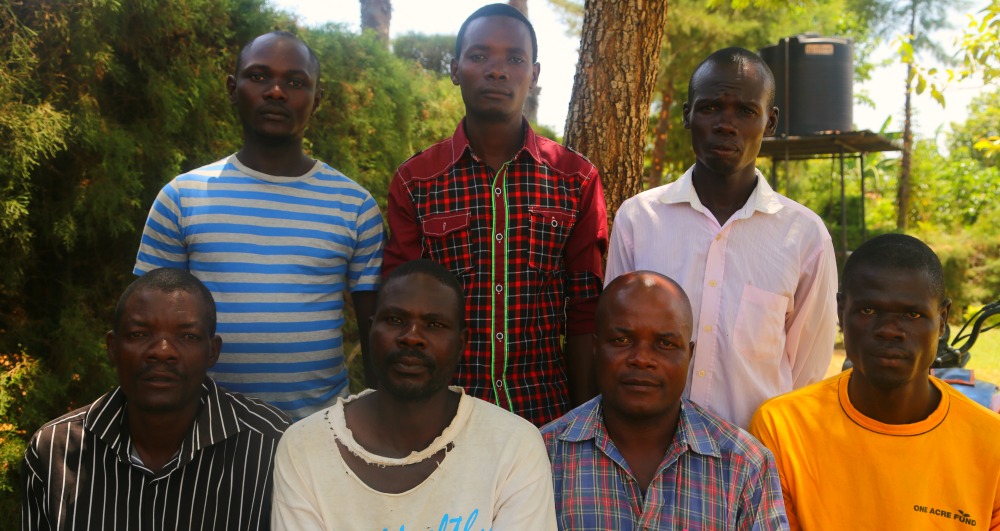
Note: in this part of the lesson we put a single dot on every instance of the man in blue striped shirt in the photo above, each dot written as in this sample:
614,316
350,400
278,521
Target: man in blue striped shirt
276,236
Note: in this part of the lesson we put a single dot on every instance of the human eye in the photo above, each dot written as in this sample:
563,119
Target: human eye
667,344
620,340
867,311
255,76
749,111
914,315
517,59
296,83
136,334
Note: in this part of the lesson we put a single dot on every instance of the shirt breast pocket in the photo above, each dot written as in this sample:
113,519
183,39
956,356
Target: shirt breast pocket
447,239
760,324
550,228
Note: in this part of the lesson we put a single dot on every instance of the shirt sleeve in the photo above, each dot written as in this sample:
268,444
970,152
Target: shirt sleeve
405,234
33,489
584,256
764,507
366,263
525,500
291,507
812,325
620,257
762,430
163,243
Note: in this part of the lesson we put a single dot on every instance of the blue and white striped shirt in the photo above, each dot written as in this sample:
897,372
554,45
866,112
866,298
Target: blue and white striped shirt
277,254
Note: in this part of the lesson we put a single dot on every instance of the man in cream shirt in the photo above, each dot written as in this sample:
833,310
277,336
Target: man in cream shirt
414,454
759,267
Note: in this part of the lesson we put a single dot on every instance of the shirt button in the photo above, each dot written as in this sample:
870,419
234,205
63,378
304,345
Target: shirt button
499,237
708,328
499,288
713,283
718,237
499,336
497,191
701,373
499,384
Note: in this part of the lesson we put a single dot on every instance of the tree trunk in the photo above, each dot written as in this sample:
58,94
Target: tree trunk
375,15
660,135
530,109
903,191
615,78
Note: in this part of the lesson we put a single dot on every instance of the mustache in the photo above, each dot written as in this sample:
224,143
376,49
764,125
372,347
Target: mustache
159,368
396,355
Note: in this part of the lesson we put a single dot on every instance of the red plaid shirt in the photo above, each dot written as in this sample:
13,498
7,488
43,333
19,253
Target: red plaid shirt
526,243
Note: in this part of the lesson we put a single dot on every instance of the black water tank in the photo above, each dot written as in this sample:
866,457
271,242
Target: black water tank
816,75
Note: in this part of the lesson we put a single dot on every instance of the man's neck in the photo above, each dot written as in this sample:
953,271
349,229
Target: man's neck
157,437
394,428
278,160
902,405
723,194
495,142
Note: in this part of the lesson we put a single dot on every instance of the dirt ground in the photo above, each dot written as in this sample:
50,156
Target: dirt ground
836,363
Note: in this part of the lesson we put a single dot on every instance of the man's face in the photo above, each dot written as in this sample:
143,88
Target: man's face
728,116
162,350
891,323
495,69
275,90
416,337
642,348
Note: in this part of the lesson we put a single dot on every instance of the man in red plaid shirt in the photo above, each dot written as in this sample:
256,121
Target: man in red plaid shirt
519,219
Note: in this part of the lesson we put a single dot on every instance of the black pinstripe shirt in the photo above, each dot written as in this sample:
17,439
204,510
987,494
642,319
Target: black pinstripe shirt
78,474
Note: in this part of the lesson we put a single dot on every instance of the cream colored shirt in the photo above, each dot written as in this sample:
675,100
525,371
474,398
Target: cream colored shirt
762,288
495,476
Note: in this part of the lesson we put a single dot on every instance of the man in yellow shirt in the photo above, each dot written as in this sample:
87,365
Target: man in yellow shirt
885,445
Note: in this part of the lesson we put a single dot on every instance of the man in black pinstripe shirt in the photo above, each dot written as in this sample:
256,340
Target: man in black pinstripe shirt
167,449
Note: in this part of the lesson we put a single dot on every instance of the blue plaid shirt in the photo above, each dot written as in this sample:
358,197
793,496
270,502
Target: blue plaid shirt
714,476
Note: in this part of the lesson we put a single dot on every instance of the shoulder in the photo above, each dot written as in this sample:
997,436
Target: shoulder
335,182
810,223
429,162
580,417
563,160
491,418
65,433
965,410
814,401
734,443
256,414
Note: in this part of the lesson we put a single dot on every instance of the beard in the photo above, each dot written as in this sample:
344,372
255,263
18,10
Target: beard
413,391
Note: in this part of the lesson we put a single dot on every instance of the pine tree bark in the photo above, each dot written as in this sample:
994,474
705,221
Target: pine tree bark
615,79
376,15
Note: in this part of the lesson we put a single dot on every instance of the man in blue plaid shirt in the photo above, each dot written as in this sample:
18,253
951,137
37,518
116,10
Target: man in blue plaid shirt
641,457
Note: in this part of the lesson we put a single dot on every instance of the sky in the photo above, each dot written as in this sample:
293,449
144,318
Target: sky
557,54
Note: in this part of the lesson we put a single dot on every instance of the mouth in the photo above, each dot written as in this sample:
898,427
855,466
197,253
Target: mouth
724,150
273,113
160,379
495,94
639,384
410,363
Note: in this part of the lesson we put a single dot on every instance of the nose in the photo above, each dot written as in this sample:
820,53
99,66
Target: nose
724,125
163,349
411,337
496,70
887,327
274,92
641,356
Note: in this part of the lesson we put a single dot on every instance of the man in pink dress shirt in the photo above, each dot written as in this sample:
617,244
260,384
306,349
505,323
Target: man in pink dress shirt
759,267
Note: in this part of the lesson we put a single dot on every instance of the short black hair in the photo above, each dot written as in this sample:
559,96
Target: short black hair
736,56
313,58
168,280
434,270
896,252
497,10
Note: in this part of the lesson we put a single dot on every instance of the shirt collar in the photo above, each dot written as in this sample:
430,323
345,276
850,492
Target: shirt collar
763,198
216,421
460,143
692,431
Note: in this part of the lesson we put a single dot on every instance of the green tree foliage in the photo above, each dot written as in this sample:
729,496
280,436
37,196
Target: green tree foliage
101,103
433,52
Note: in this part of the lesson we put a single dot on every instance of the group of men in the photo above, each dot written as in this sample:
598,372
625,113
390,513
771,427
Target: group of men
492,316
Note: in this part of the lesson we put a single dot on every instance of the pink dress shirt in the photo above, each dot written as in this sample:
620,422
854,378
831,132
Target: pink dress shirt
762,288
